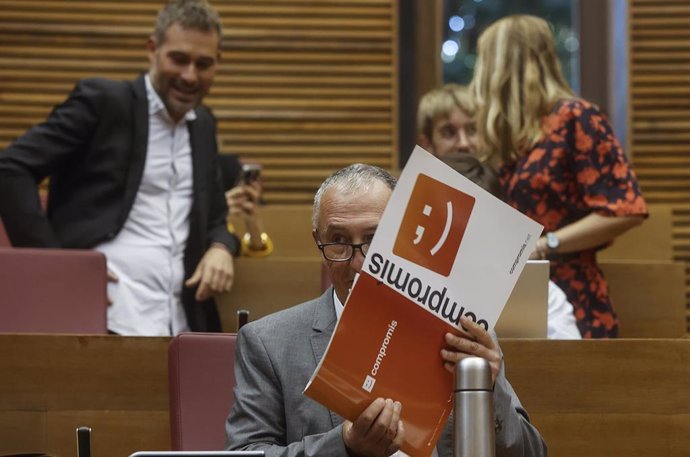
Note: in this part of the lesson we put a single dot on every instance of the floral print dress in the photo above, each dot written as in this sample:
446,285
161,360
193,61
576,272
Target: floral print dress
577,168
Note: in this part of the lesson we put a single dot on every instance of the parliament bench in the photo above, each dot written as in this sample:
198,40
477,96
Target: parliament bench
596,398
649,296
290,228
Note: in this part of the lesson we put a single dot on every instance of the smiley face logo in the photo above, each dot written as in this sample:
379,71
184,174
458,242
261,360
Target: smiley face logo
433,225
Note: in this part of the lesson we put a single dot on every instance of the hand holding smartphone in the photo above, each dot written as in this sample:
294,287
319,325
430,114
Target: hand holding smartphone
250,172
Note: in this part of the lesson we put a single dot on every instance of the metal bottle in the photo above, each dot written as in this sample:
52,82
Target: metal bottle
473,425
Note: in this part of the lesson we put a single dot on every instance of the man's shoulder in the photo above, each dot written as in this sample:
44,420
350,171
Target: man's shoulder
300,314
293,321
109,86
106,95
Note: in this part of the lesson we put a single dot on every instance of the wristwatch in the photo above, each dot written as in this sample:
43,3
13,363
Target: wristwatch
552,241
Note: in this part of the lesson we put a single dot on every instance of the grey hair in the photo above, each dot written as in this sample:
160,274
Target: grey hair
355,177
191,15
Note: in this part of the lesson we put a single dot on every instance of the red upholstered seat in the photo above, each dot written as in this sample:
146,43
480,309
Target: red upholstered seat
202,378
52,291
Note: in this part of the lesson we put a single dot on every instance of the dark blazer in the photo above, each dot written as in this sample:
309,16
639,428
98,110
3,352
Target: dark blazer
93,148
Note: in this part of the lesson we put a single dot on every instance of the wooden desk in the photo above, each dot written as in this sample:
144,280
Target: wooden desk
588,398
652,240
649,297
50,384
605,397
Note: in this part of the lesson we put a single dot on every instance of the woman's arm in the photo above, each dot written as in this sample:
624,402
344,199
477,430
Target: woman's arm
589,232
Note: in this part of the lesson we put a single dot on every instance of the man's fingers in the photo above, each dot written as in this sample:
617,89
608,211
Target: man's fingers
194,280
377,431
394,421
478,332
397,442
214,281
252,193
380,428
228,283
201,294
365,420
479,343
110,277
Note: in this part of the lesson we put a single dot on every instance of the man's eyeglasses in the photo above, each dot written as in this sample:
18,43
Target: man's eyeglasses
342,252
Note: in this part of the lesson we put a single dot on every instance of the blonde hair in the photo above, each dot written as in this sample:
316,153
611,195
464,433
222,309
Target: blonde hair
517,81
438,103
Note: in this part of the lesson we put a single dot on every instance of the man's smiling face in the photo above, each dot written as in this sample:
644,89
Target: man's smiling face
183,67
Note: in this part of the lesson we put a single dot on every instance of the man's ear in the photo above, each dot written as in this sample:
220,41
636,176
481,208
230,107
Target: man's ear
315,236
151,48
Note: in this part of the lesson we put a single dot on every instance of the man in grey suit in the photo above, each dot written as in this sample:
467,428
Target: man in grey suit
133,174
277,355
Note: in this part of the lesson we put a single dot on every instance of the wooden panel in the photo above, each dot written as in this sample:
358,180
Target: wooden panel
289,227
292,281
51,384
115,433
300,88
22,431
652,240
647,434
649,297
660,110
585,404
129,381
583,370
579,402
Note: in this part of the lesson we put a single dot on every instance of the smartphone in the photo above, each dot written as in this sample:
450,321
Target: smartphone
250,173
83,441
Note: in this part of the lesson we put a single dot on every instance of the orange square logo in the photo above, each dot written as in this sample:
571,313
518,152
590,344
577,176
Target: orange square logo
433,225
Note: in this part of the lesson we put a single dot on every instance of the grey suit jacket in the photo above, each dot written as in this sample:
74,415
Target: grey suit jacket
275,358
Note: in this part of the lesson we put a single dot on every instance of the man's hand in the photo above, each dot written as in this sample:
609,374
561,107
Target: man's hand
476,342
377,432
112,277
242,200
214,274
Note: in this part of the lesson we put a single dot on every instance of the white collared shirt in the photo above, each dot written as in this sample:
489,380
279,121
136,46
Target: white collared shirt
147,254
561,324
339,307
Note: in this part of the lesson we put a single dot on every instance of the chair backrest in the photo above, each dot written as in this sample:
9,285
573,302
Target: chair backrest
52,291
649,297
201,381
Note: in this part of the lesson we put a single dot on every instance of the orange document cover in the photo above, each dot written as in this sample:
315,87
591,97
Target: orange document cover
379,337
444,248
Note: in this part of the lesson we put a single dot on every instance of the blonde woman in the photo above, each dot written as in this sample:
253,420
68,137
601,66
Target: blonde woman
558,161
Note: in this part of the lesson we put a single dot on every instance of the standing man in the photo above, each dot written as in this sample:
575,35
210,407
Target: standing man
133,174
276,355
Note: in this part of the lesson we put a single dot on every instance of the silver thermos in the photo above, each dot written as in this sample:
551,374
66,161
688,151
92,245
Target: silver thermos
473,424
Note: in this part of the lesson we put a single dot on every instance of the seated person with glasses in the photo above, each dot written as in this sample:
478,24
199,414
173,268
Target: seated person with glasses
276,355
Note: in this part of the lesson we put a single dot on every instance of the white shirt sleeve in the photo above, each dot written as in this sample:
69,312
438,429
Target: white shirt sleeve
560,318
